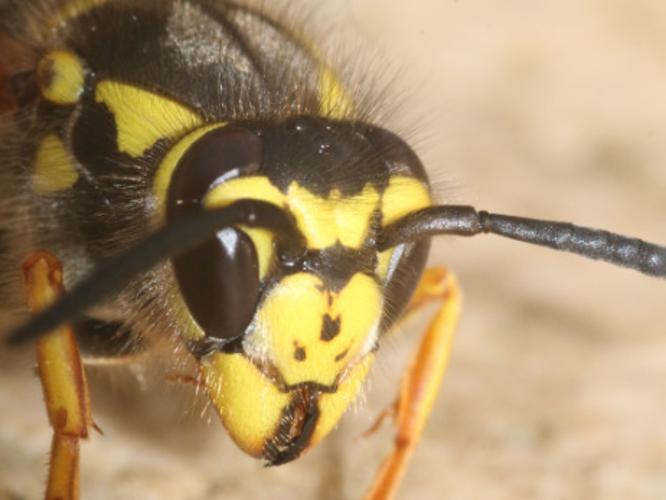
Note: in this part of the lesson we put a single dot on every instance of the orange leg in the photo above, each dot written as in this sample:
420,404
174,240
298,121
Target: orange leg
420,384
63,380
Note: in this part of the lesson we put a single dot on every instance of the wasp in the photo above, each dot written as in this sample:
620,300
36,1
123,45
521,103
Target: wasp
196,170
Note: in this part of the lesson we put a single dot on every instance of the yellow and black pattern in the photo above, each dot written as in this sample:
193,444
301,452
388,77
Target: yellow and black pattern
136,114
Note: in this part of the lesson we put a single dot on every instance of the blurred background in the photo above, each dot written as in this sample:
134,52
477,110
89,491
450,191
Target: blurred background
557,387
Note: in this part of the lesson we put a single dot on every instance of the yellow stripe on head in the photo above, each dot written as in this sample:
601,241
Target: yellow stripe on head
168,165
353,215
142,117
246,188
323,221
403,196
252,188
326,221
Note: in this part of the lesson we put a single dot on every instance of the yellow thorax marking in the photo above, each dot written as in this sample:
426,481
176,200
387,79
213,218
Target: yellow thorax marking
61,77
143,117
334,99
312,333
54,167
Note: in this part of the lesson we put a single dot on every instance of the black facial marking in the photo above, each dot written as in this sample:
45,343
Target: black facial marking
341,356
102,198
330,328
321,155
299,353
297,425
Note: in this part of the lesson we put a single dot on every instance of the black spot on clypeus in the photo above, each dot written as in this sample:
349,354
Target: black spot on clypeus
330,328
299,354
341,356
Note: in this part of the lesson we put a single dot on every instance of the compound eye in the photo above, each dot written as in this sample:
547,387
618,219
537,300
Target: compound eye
219,280
405,269
407,260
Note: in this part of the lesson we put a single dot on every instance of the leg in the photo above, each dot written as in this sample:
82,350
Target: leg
63,380
420,384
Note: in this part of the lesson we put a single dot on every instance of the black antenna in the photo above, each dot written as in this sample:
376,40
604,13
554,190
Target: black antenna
188,232
633,253
172,240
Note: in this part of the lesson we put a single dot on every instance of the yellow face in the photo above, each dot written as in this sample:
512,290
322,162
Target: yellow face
301,353
310,344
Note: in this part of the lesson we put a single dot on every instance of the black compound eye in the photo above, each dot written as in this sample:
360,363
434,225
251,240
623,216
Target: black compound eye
408,259
220,283
219,280
405,268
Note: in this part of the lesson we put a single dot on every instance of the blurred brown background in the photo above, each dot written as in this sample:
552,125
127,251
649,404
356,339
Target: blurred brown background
557,389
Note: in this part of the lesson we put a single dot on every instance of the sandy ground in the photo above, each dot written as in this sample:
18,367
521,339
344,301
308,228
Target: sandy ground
557,388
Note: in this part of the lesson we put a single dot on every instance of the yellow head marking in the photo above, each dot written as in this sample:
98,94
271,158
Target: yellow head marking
333,405
383,261
254,188
170,162
402,196
323,221
248,188
54,167
253,408
248,402
61,77
326,221
143,117
313,216
353,215
312,333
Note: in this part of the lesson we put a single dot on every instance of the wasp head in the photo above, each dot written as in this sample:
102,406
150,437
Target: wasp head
287,336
